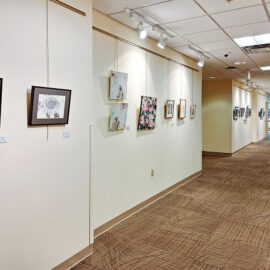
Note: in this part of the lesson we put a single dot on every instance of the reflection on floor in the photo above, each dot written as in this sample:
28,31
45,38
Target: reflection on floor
220,221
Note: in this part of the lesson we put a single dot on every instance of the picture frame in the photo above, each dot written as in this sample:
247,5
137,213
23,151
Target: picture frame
49,106
192,111
182,109
1,87
236,112
148,112
118,85
118,116
169,109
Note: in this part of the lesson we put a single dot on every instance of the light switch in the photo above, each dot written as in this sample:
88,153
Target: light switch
66,133
3,138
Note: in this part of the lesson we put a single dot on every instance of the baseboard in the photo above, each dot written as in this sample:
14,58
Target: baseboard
75,259
242,148
103,228
219,154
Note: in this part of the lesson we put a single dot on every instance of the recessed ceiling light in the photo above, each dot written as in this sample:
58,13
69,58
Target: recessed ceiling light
265,68
245,41
212,77
253,40
237,63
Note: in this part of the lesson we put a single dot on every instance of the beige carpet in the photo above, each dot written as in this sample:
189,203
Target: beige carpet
220,221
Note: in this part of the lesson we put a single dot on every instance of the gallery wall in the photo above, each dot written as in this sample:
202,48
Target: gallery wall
44,182
260,128
241,128
122,161
216,116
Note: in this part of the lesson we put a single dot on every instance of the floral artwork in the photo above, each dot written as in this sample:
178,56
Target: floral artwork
118,85
169,109
118,116
192,111
148,110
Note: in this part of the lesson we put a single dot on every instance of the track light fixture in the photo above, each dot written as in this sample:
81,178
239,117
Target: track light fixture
141,31
201,61
162,42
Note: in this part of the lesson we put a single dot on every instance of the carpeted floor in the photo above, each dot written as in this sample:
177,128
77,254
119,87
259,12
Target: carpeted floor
220,221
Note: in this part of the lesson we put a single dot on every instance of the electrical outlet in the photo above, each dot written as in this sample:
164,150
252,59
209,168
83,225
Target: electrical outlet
66,134
3,138
152,172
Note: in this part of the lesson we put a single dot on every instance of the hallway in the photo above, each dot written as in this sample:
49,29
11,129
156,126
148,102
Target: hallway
220,220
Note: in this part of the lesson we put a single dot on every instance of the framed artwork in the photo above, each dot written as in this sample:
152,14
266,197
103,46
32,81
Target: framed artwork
118,116
169,109
261,113
236,113
242,112
247,112
192,111
49,106
182,109
148,111
1,85
118,85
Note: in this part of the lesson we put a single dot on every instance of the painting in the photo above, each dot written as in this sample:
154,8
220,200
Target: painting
236,113
49,106
242,112
169,109
118,116
1,84
148,111
182,109
192,111
118,85
247,112
261,113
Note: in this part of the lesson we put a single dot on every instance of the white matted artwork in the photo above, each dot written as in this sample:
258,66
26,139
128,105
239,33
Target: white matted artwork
118,116
169,109
118,85
182,109
51,106
192,111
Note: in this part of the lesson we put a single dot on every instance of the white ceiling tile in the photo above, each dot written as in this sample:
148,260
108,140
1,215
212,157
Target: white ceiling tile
261,59
175,10
177,42
215,64
194,25
206,37
108,7
143,3
213,6
241,16
225,45
125,19
249,30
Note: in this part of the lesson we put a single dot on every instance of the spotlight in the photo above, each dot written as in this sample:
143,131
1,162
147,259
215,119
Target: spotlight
141,31
162,42
201,61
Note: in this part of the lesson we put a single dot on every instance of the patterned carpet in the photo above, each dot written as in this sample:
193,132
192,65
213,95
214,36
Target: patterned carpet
220,221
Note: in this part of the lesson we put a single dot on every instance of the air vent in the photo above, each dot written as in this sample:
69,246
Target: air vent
231,68
257,48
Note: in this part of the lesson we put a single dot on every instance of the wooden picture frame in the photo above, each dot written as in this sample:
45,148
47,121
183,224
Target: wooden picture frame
169,109
118,117
1,87
182,109
192,111
49,106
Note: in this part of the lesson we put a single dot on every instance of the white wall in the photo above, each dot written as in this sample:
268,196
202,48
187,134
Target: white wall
241,128
261,128
44,185
122,160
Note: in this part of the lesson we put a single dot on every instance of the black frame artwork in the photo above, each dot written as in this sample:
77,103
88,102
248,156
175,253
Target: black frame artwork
35,103
1,86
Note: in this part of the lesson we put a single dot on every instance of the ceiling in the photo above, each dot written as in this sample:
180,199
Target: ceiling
207,25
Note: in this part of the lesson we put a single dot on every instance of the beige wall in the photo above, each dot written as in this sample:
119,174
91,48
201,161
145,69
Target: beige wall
44,185
217,116
122,161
